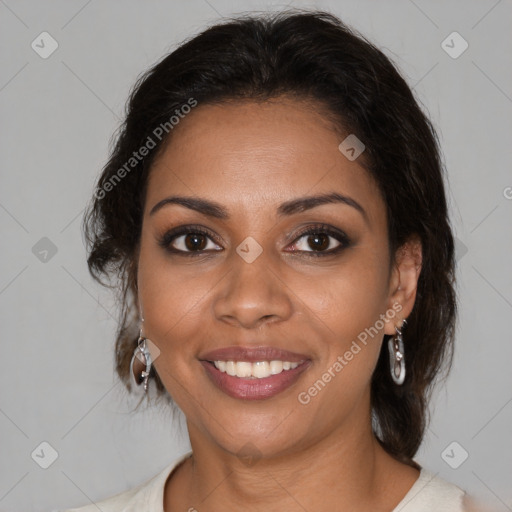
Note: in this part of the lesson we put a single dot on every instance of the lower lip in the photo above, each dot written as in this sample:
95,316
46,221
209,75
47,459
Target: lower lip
254,389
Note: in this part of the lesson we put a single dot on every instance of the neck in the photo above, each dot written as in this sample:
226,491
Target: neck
346,470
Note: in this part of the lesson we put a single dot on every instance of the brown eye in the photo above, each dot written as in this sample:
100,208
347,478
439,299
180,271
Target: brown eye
195,242
321,240
188,241
318,242
191,242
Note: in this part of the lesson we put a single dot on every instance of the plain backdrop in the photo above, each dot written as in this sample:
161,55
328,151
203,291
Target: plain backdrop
60,403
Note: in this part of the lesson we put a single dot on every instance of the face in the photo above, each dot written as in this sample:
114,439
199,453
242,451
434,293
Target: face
257,277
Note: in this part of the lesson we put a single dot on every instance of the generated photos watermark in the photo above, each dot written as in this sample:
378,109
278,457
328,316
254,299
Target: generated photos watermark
150,143
304,397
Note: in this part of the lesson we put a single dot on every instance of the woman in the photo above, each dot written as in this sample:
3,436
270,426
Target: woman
275,210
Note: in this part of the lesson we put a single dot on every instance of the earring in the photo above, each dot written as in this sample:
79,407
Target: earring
141,356
396,356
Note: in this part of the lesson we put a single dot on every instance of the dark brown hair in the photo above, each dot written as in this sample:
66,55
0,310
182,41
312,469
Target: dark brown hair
310,55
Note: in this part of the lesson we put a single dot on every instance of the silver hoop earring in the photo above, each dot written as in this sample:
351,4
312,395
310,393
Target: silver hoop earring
143,357
396,356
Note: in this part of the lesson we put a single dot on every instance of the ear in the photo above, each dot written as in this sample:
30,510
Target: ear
403,283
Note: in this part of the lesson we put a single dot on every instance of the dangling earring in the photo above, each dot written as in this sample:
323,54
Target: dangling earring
396,356
143,357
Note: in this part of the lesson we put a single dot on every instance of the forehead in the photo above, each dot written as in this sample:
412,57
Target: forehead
251,154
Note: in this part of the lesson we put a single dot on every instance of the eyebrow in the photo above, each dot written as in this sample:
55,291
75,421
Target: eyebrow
301,204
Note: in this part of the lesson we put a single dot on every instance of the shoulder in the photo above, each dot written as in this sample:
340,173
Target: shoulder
150,492
431,492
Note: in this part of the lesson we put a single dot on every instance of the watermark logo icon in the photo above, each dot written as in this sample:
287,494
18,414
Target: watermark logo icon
44,45
44,250
351,147
44,455
454,45
249,454
249,249
454,455
154,352
460,249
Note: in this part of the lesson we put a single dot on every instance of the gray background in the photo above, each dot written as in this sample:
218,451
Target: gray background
58,114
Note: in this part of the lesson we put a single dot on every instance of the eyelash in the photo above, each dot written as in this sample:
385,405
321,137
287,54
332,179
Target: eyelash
167,238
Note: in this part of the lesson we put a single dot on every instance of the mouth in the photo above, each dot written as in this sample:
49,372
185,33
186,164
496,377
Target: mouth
254,374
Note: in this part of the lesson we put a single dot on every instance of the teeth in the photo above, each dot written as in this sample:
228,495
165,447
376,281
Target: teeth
257,370
276,367
243,369
231,368
260,370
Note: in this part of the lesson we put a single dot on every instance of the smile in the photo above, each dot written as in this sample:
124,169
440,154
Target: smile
253,373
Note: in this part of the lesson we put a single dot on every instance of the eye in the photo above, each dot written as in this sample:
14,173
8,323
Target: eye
321,240
317,240
187,240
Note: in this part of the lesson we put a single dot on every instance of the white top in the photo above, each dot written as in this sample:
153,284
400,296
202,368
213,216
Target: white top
429,493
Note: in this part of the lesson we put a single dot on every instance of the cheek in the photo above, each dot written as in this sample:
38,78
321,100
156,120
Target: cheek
171,306
170,298
349,297
346,307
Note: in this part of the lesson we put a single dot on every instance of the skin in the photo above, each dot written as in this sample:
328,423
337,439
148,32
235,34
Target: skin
251,157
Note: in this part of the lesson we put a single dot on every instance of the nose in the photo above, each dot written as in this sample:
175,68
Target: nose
252,294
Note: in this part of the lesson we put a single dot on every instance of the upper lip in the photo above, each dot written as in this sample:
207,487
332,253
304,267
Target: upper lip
252,354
